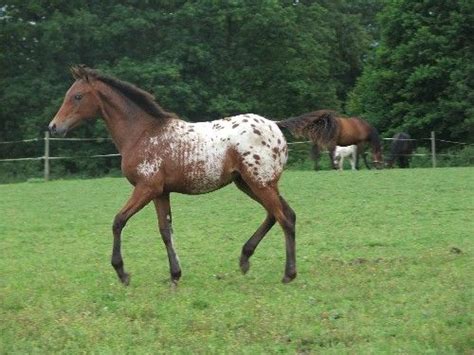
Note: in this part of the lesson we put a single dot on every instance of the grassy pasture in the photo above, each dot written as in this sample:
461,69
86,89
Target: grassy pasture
384,259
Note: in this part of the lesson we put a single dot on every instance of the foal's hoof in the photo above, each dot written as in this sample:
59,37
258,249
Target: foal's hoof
288,278
125,279
244,265
174,284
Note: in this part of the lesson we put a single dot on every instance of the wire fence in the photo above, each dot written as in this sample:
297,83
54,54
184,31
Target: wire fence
46,157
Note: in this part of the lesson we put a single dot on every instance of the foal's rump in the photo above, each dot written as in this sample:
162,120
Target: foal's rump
260,146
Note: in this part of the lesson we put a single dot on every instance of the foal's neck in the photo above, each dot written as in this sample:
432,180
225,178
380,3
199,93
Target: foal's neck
126,122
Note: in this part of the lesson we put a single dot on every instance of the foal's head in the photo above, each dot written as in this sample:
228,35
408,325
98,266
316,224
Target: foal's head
80,103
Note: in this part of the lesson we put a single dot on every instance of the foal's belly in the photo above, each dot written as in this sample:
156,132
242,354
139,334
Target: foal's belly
200,165
204,175
200,185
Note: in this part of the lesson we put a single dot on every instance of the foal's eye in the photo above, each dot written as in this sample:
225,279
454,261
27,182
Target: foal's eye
77,97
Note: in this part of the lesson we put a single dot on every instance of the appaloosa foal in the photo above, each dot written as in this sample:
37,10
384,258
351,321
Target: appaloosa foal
163,154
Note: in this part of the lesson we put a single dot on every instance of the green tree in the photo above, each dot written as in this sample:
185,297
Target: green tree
422,75
202,60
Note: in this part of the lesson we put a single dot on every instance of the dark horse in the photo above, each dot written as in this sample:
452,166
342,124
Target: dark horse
162,154
400,150
327,130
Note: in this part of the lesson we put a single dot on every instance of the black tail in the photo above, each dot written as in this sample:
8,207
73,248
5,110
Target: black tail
318,126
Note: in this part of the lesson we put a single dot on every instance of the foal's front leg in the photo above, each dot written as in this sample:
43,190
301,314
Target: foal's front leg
331,152
353,161
139,199
163,210
341,163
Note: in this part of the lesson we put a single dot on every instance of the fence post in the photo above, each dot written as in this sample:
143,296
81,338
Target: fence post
46,155
433,149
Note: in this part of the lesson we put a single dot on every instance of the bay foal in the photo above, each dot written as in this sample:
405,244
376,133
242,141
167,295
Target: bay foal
162,154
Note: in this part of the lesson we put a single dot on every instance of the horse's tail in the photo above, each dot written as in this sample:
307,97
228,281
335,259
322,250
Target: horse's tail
318,126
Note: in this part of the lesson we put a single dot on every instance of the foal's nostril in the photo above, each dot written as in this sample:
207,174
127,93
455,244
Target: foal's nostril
52,128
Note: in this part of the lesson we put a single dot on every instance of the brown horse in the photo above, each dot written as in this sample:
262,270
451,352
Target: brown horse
327,130
163,154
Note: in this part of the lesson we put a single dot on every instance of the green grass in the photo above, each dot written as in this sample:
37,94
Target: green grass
384,259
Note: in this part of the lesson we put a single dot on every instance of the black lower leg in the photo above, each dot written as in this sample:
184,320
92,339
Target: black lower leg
290,266
249,247
288,225
117,261
175,269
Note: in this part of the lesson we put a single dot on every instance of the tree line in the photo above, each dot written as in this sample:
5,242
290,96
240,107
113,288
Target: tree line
403,65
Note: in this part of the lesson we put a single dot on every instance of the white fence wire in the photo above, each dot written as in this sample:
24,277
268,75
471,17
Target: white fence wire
46,157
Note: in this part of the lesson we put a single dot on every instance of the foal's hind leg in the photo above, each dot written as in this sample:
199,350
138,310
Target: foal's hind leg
353,159
140,198
277,207
163,210
251,244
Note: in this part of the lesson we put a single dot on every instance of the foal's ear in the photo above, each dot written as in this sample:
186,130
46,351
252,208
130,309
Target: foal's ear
80,72
74,72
